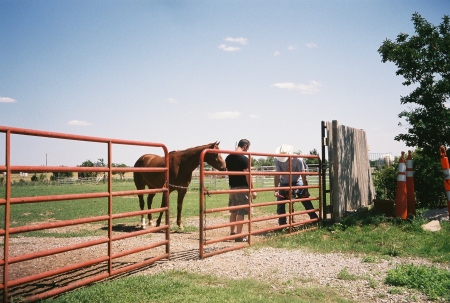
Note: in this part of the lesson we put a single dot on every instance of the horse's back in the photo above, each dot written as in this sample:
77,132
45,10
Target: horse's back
151,179
150,160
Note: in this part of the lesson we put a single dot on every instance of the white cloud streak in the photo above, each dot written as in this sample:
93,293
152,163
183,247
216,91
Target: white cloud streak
276,53
78,123
239,40
305,89
7,100
224,115
227,48
311,45
172,100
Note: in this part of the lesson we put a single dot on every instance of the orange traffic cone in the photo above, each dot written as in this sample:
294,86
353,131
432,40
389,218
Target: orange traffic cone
400,201
446,172
411,201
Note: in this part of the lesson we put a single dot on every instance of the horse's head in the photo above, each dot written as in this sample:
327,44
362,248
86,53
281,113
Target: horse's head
215,159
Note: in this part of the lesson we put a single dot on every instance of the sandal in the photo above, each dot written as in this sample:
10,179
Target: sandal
244,239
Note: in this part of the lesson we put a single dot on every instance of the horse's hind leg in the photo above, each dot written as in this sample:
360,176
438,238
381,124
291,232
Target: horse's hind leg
140,184
142,205
149,206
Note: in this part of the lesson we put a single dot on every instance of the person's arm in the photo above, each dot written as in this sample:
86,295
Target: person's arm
276,178
249,180
250,184
304,179
276,182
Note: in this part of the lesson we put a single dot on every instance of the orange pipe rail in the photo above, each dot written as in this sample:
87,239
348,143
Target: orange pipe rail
8,202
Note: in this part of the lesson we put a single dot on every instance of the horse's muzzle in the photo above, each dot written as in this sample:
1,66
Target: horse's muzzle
223,168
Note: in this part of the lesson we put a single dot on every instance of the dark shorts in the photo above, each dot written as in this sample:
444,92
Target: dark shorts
236,199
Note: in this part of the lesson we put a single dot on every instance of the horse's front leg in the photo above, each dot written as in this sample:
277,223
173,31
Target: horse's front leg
181,194
149,206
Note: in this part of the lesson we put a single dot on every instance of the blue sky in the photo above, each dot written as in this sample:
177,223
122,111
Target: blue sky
187,73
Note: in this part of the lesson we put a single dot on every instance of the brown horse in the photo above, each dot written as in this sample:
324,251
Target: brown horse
181,165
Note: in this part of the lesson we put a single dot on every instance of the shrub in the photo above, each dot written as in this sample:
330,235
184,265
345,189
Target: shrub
428,181
385,182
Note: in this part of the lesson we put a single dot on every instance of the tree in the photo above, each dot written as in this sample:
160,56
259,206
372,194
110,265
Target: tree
121,174
61,174
87,163
41,177
424,61
312,160
268,161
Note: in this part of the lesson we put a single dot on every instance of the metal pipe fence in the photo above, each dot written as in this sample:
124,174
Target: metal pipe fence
107,262
253,220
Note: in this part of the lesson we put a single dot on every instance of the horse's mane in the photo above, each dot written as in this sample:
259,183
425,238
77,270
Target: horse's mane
196,147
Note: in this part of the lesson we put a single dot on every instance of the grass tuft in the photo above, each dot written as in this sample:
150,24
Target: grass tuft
432,281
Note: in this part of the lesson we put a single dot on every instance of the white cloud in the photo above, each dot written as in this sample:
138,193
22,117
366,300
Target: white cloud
7,100
80,123
239,40
311,45
276,53
310,88
228,48
291,47
172,100
224,115
253,116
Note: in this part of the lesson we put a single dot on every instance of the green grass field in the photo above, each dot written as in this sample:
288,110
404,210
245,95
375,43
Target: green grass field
32,213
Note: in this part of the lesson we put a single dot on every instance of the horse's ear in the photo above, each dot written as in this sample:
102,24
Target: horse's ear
217,143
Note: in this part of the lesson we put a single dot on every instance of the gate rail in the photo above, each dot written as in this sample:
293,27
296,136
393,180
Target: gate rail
7,202
291,226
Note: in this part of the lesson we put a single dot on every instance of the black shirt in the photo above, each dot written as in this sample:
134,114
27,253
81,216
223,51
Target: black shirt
237,163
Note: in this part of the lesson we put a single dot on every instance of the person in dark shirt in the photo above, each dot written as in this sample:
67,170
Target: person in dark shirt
239,162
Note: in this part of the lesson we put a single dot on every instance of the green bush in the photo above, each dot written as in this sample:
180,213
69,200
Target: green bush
385,182
428,181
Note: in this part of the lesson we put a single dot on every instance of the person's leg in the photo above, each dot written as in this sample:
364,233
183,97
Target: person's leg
233,213
308,205
233,216
281,208
239,226
242,200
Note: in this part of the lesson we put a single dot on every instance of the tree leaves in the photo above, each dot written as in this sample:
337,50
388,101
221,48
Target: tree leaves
423,60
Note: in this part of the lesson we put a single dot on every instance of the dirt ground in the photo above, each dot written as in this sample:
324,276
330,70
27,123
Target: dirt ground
184,246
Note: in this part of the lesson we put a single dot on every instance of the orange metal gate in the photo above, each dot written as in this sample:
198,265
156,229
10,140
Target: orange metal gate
110,257
261,211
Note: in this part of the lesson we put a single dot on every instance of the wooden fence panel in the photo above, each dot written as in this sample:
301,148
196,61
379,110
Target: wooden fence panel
351,184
